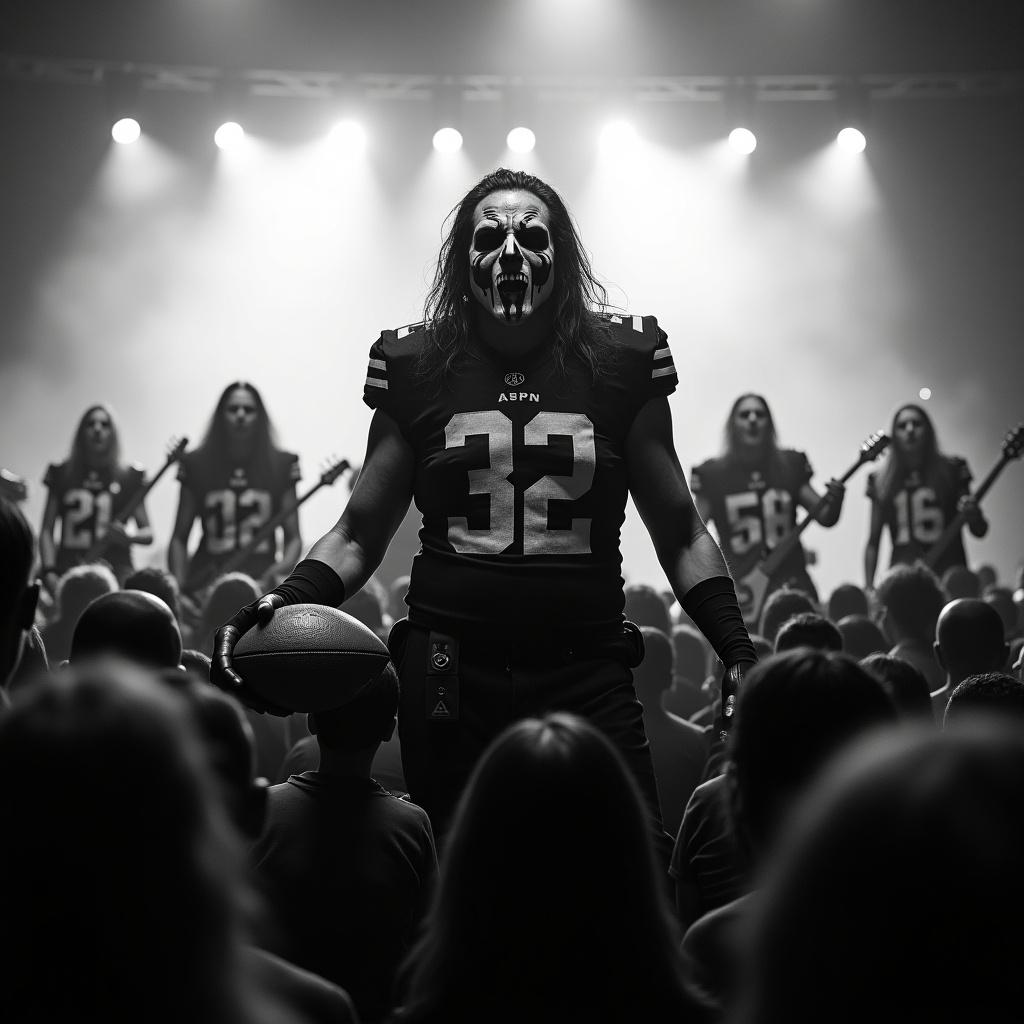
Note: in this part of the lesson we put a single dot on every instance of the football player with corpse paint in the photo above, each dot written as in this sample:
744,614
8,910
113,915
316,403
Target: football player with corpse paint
519,416
86,494
751,493
915,493
236,480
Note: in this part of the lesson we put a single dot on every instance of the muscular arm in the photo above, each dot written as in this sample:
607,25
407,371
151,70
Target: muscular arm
685,549
177,550
871,548
356,544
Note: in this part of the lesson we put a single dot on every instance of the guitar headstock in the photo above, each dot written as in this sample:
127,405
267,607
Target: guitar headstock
873,446
334,468
175,449
1013,443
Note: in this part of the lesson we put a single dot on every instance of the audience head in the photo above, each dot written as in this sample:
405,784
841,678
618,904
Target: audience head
230,749
959,581
196,664
128,624
861,636
229,592
19,594
847,599
397,608
808,629
80,585
646,607
969,639
904,683
780,606
653,676
691,653
364,722
524,923
899,893
995,693
1001,598
121,889
368,606
34,663
910,599
987,576
158,582
795,710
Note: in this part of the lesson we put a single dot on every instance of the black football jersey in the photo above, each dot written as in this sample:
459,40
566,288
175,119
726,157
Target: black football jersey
754,508
86,505
917,514
234,501
520,477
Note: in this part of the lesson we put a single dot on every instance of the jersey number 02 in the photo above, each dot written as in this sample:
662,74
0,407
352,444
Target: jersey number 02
493,480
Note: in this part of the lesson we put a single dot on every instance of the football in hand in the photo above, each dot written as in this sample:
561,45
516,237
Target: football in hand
309,658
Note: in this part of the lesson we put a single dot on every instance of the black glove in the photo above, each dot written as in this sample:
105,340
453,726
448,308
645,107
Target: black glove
222,672
312,582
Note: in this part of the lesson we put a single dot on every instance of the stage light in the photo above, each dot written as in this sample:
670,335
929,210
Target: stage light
521,140
229,135
447,140
618,135
924,394
348,137
743,140
851,140
126,131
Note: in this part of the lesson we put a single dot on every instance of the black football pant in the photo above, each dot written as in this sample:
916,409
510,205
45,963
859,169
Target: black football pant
498,685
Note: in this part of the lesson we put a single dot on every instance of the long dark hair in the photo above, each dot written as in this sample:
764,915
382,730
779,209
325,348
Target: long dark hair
934,471
215,439
148,912
731,434
548,897
578,295
78,459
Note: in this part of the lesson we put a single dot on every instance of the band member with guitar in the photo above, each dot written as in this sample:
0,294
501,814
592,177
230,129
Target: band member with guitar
752,492
915,494
234,482
88,501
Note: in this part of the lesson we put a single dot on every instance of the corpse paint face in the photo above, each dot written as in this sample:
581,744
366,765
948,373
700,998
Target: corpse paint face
240,412
751,422
511,257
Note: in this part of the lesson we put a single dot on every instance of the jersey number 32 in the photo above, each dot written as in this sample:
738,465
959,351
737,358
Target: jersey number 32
538,537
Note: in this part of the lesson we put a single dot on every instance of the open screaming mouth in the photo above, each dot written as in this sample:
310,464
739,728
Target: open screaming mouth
512,286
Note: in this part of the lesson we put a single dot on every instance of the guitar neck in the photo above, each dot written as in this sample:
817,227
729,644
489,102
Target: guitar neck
956,524
782,550
100,545
239,555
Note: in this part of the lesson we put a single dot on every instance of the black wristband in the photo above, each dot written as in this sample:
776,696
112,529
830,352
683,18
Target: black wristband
716,613
312,582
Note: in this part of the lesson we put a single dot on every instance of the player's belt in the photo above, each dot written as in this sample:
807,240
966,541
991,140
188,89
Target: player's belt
534,648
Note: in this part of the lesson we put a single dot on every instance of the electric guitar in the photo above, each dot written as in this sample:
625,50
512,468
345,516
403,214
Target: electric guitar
752,587
175,450
1013,446
236,558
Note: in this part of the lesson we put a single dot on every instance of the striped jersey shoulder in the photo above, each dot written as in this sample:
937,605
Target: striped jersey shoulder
643,334
390,350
